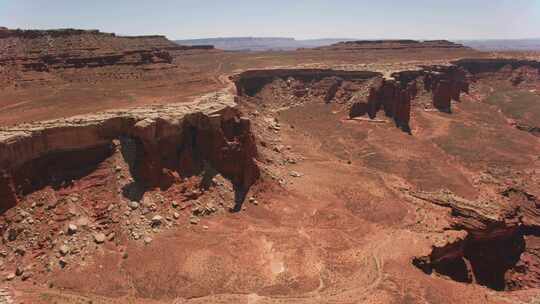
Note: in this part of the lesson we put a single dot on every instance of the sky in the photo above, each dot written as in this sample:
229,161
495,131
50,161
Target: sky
302,19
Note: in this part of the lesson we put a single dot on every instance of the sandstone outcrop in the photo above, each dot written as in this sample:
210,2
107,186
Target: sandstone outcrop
167,142
514,70
477,66
325,82
393,97
498,240
446,84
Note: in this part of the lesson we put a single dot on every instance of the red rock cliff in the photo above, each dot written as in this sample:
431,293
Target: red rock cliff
391,96
165,142
394,96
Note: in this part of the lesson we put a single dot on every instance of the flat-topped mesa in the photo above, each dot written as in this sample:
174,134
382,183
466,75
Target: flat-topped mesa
5,32
166,142
193,47
47,50
400,44
20,43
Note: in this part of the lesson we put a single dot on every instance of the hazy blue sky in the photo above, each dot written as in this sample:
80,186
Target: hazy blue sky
429,19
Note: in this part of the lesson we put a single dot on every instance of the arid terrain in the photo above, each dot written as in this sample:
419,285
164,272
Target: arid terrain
137,170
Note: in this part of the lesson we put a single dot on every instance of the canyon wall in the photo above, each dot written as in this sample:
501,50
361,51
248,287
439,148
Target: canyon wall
366,92
394,95
514,70
446,84
491,65
493,243
169,142
249,83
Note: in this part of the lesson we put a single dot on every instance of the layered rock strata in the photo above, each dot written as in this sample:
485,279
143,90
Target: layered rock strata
169,142
324,82
493,243
394,95
514,70
49,50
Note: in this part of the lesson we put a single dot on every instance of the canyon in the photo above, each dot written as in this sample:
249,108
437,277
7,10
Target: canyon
358,172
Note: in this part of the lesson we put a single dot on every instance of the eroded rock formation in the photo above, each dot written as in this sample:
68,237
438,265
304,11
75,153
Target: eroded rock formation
394,95
166,143
514,70
324,83
508,73
493,243
446,84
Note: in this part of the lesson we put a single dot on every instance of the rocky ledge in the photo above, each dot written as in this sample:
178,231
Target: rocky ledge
366,92
493,242
165,143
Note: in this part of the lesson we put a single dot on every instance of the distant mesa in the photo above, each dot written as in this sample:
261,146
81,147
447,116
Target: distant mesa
393,45
104,39
531,44
96,36
20,33
259,43
60,49
290,44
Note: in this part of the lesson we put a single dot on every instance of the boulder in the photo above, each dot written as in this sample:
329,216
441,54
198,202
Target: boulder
100,238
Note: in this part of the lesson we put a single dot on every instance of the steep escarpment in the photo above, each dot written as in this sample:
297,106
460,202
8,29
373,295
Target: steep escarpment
494,243
511,85
365,92
446,84
491,238
166,143
116,178
515,71
491,65
394,95
321,82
